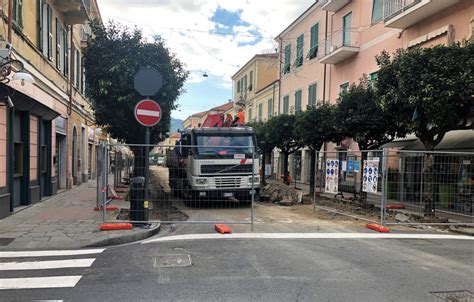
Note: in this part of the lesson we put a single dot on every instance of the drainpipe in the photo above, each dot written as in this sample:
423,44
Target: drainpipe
10,21
279,75
69,180
325,65
273,105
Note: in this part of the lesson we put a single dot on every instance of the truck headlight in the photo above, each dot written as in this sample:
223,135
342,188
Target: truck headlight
201,181
256,179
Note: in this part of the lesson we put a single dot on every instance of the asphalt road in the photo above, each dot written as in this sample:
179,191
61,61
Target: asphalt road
257,270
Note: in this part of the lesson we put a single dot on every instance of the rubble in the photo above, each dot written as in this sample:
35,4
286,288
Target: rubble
402,218
276,192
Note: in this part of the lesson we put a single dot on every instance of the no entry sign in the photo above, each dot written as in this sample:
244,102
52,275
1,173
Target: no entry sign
148,113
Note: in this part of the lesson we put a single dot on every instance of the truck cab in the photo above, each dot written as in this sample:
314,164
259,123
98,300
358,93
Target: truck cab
216,163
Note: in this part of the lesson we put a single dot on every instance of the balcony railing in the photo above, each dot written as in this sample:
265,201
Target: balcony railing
391,8
340,46
404,13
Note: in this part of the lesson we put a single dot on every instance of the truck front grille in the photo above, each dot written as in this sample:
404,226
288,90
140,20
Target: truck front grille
226,169
228,182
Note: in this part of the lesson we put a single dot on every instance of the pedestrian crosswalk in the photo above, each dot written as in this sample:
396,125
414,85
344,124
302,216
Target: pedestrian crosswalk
40,265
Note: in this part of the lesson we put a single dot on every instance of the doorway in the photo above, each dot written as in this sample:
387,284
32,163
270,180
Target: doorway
74,156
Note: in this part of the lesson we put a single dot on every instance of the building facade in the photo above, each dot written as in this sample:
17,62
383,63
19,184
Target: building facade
47,130
335,42
253,79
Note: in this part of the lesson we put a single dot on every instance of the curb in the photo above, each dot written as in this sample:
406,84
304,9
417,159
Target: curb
466,233
155,229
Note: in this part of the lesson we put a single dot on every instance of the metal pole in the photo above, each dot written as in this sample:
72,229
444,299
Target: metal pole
105,179
147,161
384,185
253,191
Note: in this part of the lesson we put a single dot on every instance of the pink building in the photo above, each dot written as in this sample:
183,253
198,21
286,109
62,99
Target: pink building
334,42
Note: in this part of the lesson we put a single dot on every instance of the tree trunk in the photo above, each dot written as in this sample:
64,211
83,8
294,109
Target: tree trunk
312,172
285,167
427,183
262,173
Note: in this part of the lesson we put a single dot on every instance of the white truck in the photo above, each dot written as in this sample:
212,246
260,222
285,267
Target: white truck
215,164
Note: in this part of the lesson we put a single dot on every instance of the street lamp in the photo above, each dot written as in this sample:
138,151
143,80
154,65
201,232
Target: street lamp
21,75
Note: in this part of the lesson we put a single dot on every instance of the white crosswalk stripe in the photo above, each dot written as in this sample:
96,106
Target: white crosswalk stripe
13,262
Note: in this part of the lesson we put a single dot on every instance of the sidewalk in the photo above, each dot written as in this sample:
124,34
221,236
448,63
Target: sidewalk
65,221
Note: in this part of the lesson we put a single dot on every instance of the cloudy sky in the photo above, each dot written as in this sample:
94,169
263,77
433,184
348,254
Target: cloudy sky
215,37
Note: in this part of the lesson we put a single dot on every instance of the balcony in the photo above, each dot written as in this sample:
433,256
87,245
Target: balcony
75,11
340,47
333,5
404,13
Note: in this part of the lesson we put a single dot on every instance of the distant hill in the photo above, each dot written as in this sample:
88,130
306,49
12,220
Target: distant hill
175,125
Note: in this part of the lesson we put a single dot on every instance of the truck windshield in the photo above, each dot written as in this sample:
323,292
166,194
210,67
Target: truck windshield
224,145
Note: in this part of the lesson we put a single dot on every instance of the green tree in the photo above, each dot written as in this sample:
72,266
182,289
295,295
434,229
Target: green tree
264,142
113,55
361,117
313,127
281,134
430,91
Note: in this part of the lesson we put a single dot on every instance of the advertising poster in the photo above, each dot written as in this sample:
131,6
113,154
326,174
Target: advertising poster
371,176
332,176
356,166
350,166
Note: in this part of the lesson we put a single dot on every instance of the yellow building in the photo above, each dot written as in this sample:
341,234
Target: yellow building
47,130
254,83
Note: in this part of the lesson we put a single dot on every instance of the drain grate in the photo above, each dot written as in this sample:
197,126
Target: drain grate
455,296
179,260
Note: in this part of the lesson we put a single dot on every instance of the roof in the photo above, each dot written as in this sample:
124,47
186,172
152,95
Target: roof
223,107
175,135
199,114
302,16
255,57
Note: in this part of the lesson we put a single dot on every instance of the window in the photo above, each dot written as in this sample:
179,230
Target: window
251,81
377,11
66,52
58,44
343,88
346,34
244,90
40,14
76,58
50,32
298,95
312,95
83,78
374,76
250,114
238,86
260,111
286,66
299,51
286,104
270,108
18,159
314,43
18,12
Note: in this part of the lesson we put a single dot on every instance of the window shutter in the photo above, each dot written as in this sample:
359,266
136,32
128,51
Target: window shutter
66,52
58,44
50,33
39,3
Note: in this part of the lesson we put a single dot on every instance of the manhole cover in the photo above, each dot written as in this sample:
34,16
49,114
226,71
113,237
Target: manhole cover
6,241
455,296
172,261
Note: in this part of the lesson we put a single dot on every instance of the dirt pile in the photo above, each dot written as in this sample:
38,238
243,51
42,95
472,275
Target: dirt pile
277,192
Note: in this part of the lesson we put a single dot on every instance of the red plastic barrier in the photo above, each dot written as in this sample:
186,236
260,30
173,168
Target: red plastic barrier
396,206
223,229
115,226
377,227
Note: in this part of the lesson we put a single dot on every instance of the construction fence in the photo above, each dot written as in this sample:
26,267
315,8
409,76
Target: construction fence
180,184
389,186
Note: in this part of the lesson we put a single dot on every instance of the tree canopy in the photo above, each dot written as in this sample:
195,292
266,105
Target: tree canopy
428,90
361,117
113,56
281,133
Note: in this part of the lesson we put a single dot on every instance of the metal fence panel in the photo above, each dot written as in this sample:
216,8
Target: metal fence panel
217,182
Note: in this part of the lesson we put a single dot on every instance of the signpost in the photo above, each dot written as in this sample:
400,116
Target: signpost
147,82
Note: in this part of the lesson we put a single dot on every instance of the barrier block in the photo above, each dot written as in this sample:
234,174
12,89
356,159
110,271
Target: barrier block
377,227
223,229
115,226
395,206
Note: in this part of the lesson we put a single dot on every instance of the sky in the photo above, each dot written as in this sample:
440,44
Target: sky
213,37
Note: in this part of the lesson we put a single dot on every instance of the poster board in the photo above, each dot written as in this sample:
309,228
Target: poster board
371,176
332,176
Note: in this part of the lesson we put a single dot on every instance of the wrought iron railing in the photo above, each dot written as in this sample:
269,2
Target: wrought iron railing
392,8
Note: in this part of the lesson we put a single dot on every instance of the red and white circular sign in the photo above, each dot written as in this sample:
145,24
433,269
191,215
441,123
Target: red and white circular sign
148,113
